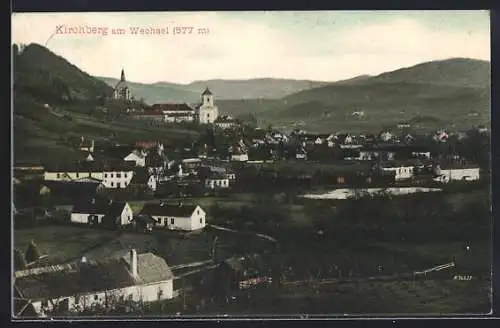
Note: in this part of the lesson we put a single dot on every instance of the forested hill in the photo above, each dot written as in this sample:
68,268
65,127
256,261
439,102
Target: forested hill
45,76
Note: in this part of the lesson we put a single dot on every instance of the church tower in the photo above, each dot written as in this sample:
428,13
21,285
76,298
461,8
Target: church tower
122,90
207,98
207,111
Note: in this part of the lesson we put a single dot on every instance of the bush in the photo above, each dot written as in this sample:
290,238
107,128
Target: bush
32,253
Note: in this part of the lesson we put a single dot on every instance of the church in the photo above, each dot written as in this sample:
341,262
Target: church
207,112
122,91
204,113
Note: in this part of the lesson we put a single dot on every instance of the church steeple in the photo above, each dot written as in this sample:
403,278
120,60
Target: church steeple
123,75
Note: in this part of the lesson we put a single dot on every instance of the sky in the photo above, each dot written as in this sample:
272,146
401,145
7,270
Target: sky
322,45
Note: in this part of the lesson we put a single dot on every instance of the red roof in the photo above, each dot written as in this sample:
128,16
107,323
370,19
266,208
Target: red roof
171,107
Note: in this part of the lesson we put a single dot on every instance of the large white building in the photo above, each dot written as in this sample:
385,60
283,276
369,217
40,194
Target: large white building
176,217
111,176
84,285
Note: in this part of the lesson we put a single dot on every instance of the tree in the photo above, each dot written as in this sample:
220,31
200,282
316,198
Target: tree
32,253
19,260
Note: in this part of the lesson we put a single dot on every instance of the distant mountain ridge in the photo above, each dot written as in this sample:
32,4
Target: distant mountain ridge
447,90
265,88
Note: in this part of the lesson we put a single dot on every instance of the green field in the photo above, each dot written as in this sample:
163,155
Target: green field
62,243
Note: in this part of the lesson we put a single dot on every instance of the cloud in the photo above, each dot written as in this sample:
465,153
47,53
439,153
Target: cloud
242,46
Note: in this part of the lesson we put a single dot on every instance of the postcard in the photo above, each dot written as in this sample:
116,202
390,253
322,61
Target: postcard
269,164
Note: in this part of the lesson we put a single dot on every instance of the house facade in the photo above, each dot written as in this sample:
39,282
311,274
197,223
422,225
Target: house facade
138,157
402,171
217,181
111,176
176,217
86,285
96,212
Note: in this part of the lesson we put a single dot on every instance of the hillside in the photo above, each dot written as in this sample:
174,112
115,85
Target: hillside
55,102
47,76
451,93
223,89
462,72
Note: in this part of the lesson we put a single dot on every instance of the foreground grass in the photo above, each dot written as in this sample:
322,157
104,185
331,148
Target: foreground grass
61,243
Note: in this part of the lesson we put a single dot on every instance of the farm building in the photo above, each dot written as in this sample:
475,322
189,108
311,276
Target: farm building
176,217
105,212
88,285
217,180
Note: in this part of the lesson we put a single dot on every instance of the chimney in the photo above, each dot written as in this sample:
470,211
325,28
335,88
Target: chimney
133,262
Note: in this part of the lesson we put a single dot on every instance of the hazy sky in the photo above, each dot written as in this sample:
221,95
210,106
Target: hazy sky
326,46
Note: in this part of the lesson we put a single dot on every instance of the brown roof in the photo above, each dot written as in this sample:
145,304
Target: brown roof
151,268
80,278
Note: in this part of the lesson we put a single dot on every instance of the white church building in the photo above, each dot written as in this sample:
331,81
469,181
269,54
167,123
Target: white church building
204,113
207,112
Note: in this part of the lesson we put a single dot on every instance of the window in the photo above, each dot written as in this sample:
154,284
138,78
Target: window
198,212
118,175
96,297
172,221
111,174
77,175
201,220
112,184
125,175
105,175
58,175
90,174
45,304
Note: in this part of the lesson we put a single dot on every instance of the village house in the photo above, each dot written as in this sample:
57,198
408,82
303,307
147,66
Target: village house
441,136
226,122
137,156
87,285
301,153
103,212
403,125
86,145
403,170
144,179
176,217
175,113
456,172
217,180
386,136
111,175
